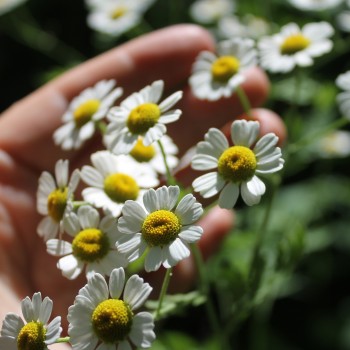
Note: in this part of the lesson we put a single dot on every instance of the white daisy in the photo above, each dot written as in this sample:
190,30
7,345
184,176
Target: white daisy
93,244
293,46
236,167
315,5
343,21
54,197
218,75
36,332
209,11
152,154
115,179
343,98
160,227
115,17
84,112
336,144
141,114
8,5
100,319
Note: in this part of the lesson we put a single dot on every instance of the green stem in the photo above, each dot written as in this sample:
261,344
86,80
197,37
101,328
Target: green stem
163,291
210,309
170,178
243,98
63,340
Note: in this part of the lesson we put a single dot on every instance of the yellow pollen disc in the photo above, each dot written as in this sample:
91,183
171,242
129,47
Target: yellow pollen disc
294,43
56,203
237,164
160,228
112,320
85,111
224,68
142,153
32,337
143,118
120,187
118,12
90,245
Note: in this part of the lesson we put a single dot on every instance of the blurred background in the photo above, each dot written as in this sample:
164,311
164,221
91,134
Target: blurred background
303,301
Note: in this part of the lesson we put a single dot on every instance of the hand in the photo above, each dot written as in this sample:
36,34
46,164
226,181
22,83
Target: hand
27,149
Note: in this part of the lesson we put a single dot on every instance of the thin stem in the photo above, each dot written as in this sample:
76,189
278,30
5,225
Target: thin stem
243,98
204,286
163,291
63,340
170,178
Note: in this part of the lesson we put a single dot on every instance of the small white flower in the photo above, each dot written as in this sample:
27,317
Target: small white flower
36,333
247,27
100,319
343,98
160,226
209,11
152,154
54,198
293,46
236,167
336,144
218,75
93,244
115,17
315,5
115,179
343,21
83,112
141,114
8,5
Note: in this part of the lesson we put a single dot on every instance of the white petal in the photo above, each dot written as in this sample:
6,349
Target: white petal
57,247
153,259
191,234
136,292
189,210
88,217
154,134
204,162
244,133
179,250
208,185
228,196
252,191
12,324
142,334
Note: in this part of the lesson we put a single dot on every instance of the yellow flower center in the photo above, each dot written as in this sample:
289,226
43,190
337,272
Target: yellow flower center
142,118
118,12
294,44
237,164
224,68
90,245
112,320
142,153
56,203
160,228
121,187
85,111
32,337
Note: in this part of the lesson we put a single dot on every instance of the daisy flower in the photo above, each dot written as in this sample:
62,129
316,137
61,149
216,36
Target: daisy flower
335,144
208,11
54,198
115,179
115,17
218,75
152,154
343,98
160,227
293,46
236,167
101,319
315,5
93,244
141,114
35,332
84,112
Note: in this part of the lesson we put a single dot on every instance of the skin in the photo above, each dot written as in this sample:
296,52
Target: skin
27,149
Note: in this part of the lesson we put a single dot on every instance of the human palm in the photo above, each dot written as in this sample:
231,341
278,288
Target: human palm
27,149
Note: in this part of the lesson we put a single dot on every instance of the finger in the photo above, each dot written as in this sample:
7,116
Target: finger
27,127
199,115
